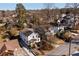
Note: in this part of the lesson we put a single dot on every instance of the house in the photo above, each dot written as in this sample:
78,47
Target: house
55,29
29,37
2,23
67,20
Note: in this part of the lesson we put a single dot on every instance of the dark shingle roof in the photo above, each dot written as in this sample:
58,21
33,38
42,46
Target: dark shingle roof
27,33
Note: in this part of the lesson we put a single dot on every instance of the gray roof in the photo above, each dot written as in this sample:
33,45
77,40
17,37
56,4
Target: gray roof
27,33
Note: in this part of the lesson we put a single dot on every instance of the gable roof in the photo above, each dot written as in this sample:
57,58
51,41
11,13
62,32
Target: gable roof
27,33
10,45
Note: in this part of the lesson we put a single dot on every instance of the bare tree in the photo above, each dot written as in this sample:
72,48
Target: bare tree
48,7
74,6
3,13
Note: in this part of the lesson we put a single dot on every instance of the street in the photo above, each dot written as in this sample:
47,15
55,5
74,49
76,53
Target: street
62,50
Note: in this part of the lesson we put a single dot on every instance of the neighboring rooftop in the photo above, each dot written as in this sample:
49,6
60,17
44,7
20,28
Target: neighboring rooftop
12,45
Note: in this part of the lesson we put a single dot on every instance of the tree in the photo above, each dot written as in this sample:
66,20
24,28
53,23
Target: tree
21,14
48,7
74,6
3,13
35,19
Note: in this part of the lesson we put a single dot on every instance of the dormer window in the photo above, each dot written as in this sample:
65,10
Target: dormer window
33,36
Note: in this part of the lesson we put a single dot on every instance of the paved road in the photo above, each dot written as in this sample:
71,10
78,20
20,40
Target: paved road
62,50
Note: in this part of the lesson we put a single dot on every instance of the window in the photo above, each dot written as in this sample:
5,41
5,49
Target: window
33,36
38,39
36,35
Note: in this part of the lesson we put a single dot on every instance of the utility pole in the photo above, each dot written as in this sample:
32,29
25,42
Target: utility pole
70,46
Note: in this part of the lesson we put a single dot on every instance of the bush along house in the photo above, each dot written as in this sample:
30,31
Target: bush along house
29,38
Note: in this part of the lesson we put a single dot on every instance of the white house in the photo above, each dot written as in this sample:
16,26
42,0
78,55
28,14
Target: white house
30,37
55,29
34,36
63,15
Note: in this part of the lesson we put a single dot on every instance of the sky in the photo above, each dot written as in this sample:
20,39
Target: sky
32,6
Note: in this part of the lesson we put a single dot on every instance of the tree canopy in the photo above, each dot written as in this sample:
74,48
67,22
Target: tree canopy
21,14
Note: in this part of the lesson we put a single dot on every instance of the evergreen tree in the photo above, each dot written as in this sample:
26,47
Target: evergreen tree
21,14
